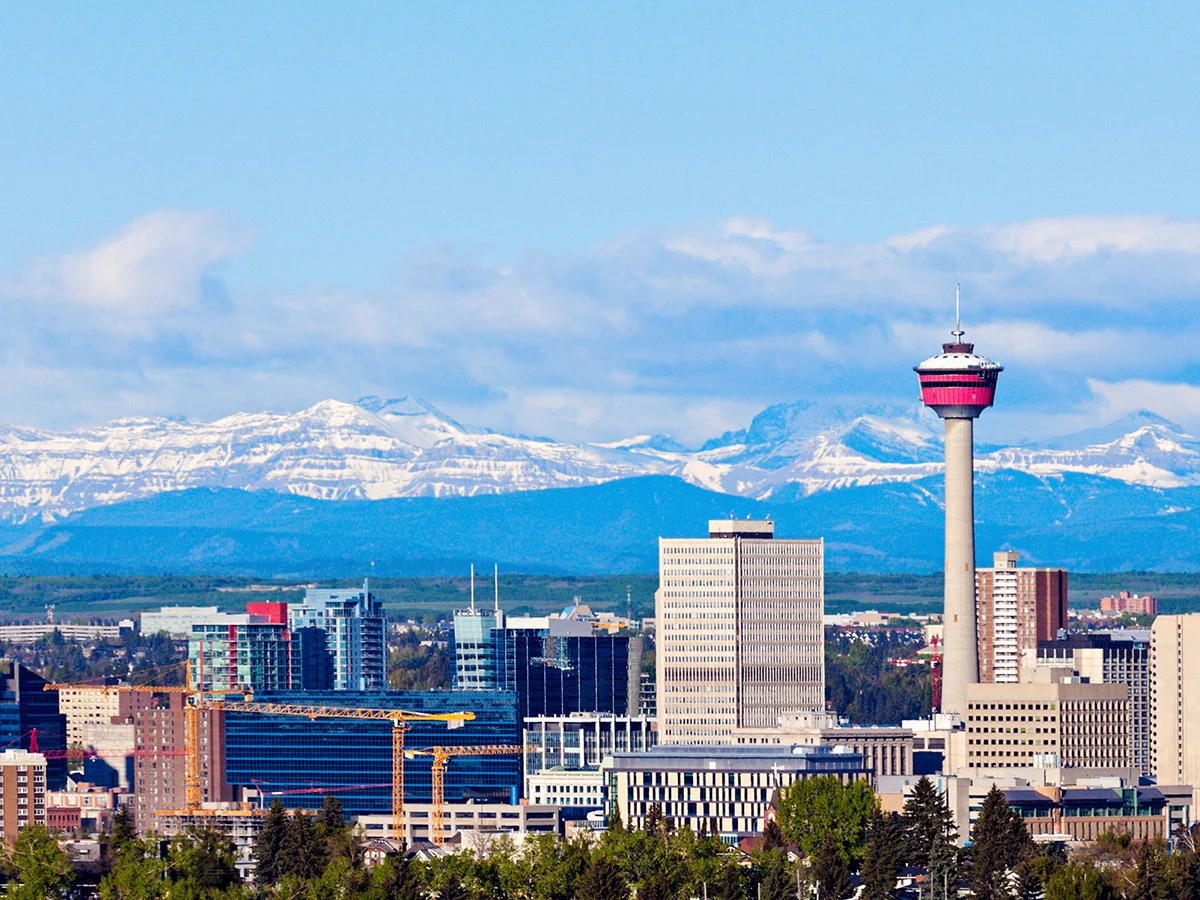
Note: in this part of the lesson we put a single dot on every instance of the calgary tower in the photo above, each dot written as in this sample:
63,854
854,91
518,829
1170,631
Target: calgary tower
958,385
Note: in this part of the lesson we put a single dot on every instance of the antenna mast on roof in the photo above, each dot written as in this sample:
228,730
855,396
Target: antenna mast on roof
496,577
472,587
958,332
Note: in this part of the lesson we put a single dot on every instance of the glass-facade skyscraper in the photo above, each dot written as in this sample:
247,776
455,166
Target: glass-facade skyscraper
355,634
26,706
293,753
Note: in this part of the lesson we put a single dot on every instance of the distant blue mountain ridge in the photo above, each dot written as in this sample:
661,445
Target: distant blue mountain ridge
334,488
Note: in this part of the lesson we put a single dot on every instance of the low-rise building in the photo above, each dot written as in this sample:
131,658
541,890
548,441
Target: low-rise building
886,750
467,819
731,786
1086,813
81,806
1126,602
558,786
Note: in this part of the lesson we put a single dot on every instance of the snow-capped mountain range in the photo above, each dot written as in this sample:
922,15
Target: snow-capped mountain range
375,449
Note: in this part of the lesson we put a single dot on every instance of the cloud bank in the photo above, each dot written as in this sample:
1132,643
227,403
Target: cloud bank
688,332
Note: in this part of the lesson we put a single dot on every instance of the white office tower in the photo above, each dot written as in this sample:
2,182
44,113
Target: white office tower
1175,699
739,640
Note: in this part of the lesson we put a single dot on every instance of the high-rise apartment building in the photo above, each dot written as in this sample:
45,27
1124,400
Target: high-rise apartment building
22,792
739,635
1015,607
160,769
1111,657
258,651
1175,699
355,634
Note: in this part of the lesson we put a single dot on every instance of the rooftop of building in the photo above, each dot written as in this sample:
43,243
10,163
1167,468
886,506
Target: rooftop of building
738,757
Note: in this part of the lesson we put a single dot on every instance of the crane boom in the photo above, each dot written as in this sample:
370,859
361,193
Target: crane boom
441,758
398,717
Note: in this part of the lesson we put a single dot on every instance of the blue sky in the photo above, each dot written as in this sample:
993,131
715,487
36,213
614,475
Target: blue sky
590,220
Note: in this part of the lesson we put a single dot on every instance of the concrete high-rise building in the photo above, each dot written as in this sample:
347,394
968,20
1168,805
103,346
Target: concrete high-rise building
22,792
738,630
1054,724
1175,699
355,634
160,768
1111,657
1016,607
958,386
259,652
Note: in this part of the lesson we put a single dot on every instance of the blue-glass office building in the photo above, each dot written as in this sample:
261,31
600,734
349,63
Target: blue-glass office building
292,753
24,707
556,675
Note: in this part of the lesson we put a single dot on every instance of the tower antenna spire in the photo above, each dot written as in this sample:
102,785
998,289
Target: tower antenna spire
496,577
472,587
958,331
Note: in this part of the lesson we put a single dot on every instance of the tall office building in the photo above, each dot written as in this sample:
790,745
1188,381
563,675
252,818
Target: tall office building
1111,657
1175,699
27,708
474,659
958,385
559,666
355,634
1015,608
739,634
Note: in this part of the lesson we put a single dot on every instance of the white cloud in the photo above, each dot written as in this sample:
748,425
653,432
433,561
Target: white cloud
687,333
1176,401
155,265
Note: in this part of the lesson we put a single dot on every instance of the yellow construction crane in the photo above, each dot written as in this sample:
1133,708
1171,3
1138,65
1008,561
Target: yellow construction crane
441,758
398,717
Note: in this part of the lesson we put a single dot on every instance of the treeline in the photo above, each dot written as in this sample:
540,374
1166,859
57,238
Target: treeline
829,840
862,684
138,657
412,667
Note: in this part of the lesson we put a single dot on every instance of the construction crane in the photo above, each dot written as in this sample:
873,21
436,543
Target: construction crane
191,722
398,717
441,758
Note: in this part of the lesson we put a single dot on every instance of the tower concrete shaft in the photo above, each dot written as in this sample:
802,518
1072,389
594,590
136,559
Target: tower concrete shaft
960,660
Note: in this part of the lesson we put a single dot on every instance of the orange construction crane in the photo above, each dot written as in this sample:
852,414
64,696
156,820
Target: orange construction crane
441,758
398,717
191,722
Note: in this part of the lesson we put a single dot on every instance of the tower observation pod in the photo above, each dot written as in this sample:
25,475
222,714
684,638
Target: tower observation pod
958,385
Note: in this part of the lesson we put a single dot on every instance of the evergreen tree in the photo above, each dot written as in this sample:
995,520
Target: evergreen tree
883,858
304,854
269,845
830,872
1029,883
927,819
396,879
453,890
330,816
999,840
730,885
122,828
656,888
773,836
1149,879
204,859
602,880
777,884
943,874
654,820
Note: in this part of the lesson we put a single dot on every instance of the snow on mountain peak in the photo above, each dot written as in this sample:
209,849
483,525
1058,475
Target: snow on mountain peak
405,447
